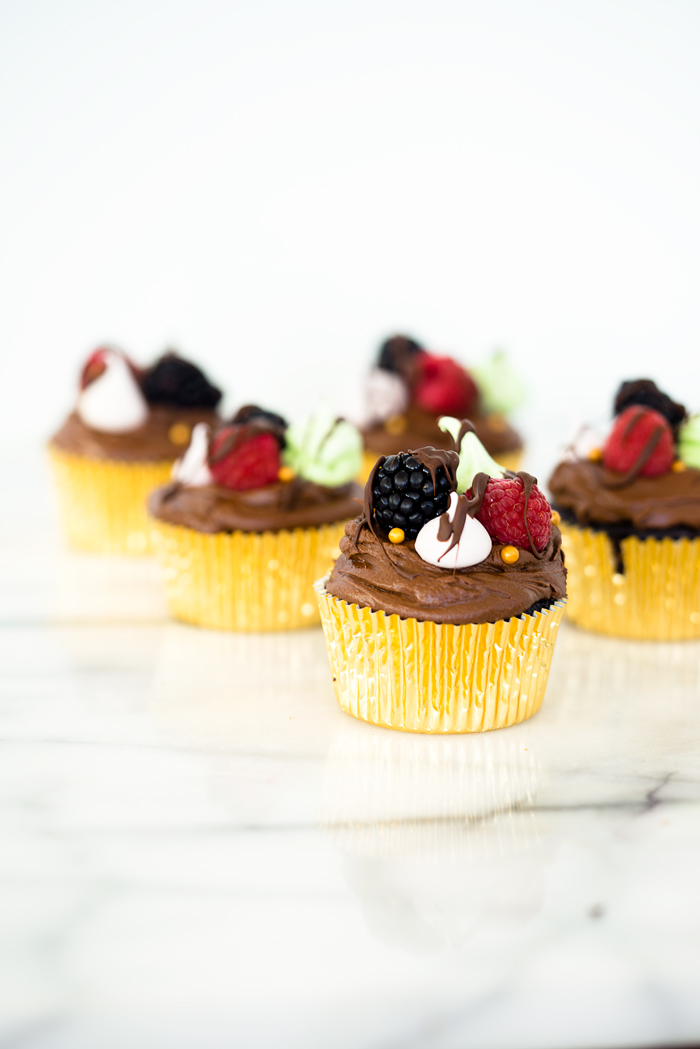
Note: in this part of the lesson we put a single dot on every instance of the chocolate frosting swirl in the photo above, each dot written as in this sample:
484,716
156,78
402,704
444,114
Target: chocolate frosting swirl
422,429
411,588
299,504
587,490
150,443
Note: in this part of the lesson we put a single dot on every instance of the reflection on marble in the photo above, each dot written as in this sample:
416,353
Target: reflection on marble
197,848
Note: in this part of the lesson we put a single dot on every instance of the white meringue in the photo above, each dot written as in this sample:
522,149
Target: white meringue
193,469
474,544
387,395
113,402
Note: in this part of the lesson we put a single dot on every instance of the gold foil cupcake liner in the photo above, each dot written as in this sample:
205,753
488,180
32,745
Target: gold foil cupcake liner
508,460
103,501
657,597
437,677
246,580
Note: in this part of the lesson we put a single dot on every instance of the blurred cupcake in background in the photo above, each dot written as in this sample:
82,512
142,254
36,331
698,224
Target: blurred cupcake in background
630,520
409,389
254,516
128,427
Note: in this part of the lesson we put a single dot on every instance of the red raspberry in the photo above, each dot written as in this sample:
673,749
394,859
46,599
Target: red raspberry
634,432
444,387
503,514
239,461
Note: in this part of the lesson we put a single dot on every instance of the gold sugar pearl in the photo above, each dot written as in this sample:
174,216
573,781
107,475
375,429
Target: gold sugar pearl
180,433
595,455
678,467
285,474
397,535
496,423
509,554
395,424
556,517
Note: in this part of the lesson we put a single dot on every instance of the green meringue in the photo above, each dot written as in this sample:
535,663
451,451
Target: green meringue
473,457
501,388
323,449
689,442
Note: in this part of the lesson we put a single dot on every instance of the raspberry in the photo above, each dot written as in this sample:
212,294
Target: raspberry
444,387
403,494
503,514
640,432
240,458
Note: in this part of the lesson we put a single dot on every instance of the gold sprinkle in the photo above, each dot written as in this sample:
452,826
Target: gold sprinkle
509,554
556,517
397,535
285,474
180,433
396,424
678,467
595,455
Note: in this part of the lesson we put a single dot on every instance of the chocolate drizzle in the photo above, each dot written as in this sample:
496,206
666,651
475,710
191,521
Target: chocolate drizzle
529,483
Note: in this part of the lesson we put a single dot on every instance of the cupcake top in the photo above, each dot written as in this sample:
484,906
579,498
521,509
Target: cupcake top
450,537
128,413
256,474
409,389
644,477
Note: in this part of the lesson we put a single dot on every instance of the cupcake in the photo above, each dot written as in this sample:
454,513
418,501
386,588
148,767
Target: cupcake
630,520
441,613
128,428
253,516
409,389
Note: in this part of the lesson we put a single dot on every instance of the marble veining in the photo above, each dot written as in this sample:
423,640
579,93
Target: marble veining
199,849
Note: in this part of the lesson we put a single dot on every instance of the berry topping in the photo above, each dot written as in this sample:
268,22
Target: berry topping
641,443
444,387
275,423
403,495
503,514
176,382
241,457
647,393
399,354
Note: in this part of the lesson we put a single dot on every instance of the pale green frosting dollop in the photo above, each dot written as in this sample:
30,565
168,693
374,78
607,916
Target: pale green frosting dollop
473,457
501,388
689,442
323,449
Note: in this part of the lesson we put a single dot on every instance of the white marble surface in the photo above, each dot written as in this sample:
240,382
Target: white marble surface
198,849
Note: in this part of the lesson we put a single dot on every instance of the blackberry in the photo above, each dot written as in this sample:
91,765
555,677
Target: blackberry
250,412
647,393
403,495
397,354
179,384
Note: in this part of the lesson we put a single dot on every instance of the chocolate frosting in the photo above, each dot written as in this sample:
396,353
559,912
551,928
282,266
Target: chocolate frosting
149,443
374,574
299,504
588,491
422,429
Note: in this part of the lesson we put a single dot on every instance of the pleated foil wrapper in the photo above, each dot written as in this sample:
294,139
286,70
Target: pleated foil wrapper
246,580
103,501
656,597
437,677
508,460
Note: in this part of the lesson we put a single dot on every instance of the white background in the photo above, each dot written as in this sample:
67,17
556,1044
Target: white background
274,186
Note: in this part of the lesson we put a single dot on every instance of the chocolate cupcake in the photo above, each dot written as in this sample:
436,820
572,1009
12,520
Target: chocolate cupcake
630,518
409,389
128,427
253,517
442,611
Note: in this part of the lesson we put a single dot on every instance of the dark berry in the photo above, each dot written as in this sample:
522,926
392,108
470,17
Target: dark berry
176,382
404,496
397,354
647,393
